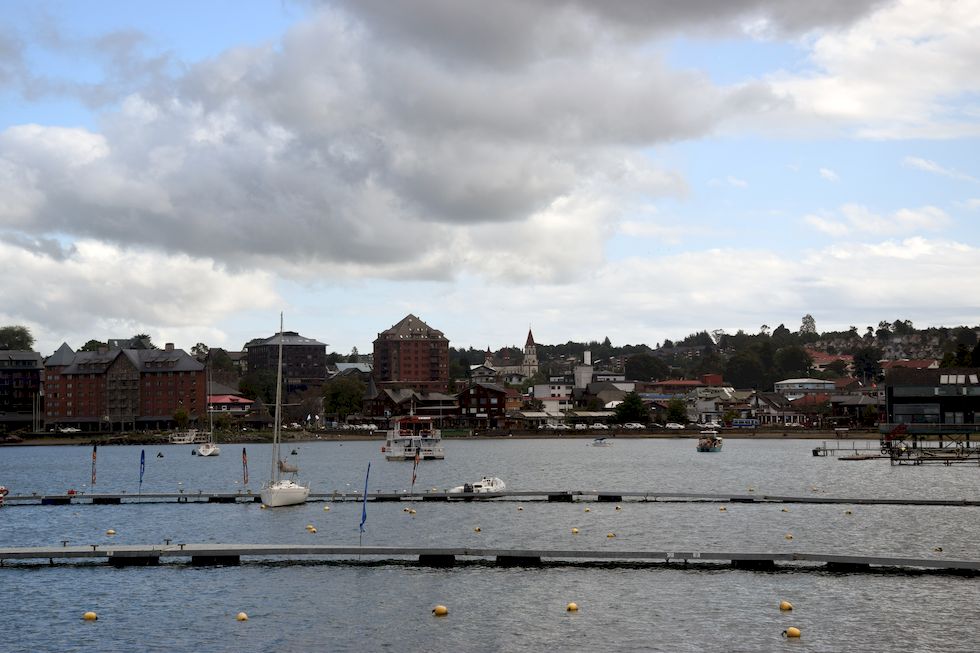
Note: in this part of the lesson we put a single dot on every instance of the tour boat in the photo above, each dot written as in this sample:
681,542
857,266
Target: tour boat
710,441
485,485
280,491
413,436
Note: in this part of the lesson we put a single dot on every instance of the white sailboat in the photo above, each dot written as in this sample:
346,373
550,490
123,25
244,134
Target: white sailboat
209,448
280,491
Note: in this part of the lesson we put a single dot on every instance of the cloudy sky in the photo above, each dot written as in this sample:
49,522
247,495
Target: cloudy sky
637,169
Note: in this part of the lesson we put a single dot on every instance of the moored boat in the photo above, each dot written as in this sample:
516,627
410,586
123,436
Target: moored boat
485,485
413,436
710,441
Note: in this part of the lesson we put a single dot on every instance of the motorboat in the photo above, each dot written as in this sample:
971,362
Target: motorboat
413,436
279,491
485,485
710,441
600,442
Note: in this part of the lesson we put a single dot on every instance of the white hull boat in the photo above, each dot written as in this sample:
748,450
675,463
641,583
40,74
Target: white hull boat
284,492
486,485
413,436
208,449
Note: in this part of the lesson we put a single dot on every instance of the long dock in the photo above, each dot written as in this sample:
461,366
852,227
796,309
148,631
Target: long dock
553,496
232,554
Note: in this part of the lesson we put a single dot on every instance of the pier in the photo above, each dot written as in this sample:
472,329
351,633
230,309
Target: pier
549,496
232,554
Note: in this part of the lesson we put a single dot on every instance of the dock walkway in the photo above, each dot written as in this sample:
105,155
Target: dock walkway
232,554
553,496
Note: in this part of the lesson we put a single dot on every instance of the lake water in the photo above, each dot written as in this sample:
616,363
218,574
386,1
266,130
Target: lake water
304,606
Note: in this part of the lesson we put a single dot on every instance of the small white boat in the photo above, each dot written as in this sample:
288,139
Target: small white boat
710,441
600,442
209,448
485,485
280,491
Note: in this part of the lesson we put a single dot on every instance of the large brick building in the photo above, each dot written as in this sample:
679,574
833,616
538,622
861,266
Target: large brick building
304,360
20,386
123,388
411,354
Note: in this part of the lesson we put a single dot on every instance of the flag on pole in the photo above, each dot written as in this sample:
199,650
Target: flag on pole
94,448
364,502
142,467
415,466
244,467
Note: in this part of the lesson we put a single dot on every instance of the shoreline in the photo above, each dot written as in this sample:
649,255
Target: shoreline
266,438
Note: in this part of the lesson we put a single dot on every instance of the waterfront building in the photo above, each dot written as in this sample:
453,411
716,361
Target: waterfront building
411,354
482,404
933,400
20,388
304,360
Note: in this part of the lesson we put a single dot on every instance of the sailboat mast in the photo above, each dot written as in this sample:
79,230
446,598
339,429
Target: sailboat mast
278,417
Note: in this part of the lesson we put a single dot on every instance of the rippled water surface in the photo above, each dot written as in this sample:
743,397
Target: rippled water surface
303,606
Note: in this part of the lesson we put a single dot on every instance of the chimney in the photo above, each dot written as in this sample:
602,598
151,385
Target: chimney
588,357
169,346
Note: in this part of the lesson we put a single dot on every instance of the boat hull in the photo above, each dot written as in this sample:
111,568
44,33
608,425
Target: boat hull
208,449
284,493
709,449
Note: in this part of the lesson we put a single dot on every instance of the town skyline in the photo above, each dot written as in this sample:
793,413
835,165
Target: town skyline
623,170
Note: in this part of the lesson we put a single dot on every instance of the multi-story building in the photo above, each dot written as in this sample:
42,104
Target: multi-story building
933,400
411,354
20,387
123,388
304,360
482,404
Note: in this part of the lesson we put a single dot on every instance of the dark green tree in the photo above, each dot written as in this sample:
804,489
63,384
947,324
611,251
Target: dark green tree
92,345
792,360
644,367
16,338
866,365
259,386
344,396
632,409
677,410
143,341
181,417
200,351
744,370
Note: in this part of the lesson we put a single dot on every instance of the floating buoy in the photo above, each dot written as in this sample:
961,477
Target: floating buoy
477,529
263,506
440,611
785,605
789,536
241,616
520,507
610,535
90,616
326,508
588,510
312,530
310,526
619,507
574,531
938,549
723,509
848,512
792,631
785,509
111,531
412,511
572,607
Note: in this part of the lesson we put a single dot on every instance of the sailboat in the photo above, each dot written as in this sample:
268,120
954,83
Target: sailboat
209,447
279,491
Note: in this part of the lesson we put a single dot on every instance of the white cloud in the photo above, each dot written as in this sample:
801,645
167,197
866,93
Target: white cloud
829,175
935,168
855,218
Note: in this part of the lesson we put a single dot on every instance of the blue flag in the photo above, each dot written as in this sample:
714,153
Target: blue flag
364,503
142,464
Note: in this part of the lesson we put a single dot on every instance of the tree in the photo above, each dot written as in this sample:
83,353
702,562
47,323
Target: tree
809,325
93,345
884,332
838,367
975,355
200,351
354,356
764,330
866,363
963,357
744,370
181,417
677,410
903,327
632,409
143,341
644,367
259,386
533,405
17,338
344,396
781,336
793,360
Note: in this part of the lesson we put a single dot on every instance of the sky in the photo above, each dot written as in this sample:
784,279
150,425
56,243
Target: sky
632,169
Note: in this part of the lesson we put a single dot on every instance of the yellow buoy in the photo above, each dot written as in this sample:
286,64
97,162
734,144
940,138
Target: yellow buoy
477,529
792,631
263,506
241,616
723,509
440,611
938,549
848,512
574,531
610,535
619,508
785,509
309,526
785,605
111,531
312,530
572,607
412,511
789,536
90,616
326,508
588,510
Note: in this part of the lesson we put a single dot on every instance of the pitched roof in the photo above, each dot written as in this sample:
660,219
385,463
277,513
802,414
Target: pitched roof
64,356
412,327
530,339
144,360
288,338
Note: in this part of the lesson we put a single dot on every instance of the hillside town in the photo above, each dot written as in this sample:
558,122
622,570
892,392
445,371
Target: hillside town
889,376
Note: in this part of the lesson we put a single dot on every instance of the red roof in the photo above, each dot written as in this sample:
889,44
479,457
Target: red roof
228,399
916,364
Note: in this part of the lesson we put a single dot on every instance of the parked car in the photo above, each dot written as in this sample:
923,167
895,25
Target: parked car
632,426
601,427
711,425
673,425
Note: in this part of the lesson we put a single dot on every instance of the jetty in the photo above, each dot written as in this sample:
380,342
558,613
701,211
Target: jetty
550,496
232,554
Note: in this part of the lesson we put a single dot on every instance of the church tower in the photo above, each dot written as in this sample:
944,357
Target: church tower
529,366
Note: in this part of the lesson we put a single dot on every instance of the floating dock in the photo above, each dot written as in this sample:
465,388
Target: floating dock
552,496
232,554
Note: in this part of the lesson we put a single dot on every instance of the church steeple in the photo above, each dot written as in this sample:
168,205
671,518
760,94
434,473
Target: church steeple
488,358
529,366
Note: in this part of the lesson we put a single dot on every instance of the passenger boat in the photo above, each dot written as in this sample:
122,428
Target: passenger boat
413,436
710,441
190,436
485,485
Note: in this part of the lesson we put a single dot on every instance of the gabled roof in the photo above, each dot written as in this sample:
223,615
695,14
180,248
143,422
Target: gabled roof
775,399
288,338
64,356
530,339
10,355
144,360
